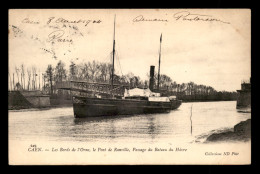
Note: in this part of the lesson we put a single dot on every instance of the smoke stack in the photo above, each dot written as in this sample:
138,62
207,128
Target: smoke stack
151,81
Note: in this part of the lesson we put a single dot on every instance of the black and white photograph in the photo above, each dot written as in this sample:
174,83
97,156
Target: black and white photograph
129,86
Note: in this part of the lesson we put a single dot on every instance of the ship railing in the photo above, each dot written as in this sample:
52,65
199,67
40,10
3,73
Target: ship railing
94,87
98,88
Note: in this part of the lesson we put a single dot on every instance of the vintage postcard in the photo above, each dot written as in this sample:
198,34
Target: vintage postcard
129,86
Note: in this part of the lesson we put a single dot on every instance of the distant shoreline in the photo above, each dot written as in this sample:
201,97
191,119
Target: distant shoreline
17,108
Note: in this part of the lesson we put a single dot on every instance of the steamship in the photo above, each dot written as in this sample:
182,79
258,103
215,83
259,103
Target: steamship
134,101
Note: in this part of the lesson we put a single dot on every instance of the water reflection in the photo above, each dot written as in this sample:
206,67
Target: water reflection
96,119
59,124
108,125
151,126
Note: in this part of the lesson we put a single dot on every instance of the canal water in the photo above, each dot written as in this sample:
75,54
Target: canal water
59,125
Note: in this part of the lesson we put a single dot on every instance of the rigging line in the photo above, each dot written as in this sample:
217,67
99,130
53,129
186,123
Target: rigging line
109,57
117,56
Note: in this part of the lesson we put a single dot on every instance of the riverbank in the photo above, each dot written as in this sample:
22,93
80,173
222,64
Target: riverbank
22,108
241,132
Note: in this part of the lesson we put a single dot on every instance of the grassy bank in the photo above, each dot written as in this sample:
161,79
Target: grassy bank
241,132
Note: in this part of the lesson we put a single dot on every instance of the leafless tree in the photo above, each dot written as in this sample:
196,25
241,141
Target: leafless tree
17,70
13,82
34,77
10,80
94,69
22,76
29,73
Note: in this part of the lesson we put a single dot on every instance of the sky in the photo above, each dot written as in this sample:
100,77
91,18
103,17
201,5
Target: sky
209,47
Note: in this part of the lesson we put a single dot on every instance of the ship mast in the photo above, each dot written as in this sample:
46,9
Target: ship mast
159,64
114,42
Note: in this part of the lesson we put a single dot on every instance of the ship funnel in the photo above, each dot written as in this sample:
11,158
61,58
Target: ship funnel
151,81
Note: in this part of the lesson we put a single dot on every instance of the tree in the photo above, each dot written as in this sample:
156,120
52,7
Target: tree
104,71
73,69
165,81
49,74
22,77
34,77
83,74
190,88
29,78
18,86
94,69
146,84
10,80
17,70
60,71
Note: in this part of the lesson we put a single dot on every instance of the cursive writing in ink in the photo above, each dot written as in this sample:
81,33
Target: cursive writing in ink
141,18
55,35
28,21
187,16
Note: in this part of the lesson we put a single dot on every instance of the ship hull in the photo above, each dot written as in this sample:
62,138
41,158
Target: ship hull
175,104
96,107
